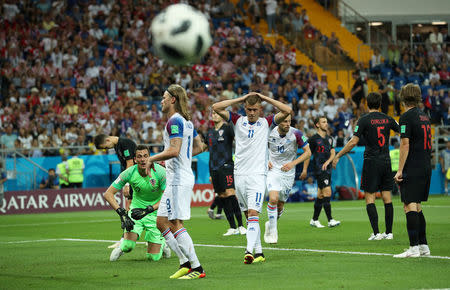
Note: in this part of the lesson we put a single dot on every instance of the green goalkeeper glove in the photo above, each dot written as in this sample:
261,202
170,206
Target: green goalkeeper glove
139,213
125,220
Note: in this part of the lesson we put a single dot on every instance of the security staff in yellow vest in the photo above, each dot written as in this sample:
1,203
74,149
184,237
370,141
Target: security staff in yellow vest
62,172
75,168
395,156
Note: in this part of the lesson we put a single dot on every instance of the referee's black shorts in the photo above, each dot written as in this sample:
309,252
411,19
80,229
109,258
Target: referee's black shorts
323,179
222,178
415,187
376,175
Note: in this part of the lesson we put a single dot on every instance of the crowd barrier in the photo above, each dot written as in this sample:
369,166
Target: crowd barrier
101,170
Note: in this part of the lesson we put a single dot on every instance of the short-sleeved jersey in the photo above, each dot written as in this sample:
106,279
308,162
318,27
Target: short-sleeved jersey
178,169
321,151
147,190
220,145
283,149
251,154
415,125
375,128
125,149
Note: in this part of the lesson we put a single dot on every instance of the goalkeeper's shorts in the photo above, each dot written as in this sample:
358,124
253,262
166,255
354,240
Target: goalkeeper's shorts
148,223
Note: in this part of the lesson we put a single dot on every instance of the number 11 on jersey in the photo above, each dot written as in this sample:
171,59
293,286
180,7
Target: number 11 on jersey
250,133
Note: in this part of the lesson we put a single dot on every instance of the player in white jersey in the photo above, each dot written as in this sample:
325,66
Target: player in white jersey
181,142
251,158
284,141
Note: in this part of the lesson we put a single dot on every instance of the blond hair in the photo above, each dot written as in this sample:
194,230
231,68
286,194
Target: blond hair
411,95
181,103
253,100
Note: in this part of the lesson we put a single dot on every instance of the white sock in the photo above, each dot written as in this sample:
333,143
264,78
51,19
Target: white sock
272,213
187,246
173,244
253,233
258,246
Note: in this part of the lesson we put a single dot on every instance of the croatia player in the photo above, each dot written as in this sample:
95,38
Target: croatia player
284,141
251,160
181,142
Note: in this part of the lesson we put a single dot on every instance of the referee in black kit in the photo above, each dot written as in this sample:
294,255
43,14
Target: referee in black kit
125,149
221,168
414,169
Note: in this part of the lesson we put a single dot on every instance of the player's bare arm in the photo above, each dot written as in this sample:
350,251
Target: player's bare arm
126,188
199,146
220,107
303,157
109,197
171,152
347,148
304,173
332,154
404,151
285,110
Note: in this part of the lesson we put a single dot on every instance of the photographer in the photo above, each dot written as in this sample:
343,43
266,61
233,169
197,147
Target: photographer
50,182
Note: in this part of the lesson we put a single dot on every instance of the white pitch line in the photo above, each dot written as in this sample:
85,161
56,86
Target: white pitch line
30,241
232,247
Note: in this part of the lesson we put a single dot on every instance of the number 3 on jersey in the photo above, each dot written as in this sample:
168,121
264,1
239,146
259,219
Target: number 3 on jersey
251,132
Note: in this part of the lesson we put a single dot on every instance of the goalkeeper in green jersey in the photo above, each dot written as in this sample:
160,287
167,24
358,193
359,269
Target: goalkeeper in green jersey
147,192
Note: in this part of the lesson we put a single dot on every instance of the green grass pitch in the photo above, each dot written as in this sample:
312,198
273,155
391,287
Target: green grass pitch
28,262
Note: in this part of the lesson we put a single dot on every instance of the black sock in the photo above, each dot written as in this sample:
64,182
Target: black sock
412,225
237,210
422,229
186,265
317,208
199,269
327,207
214,203
388,216
219,202
229,213
373,217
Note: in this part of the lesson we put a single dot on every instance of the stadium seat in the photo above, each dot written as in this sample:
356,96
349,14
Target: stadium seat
414,79
386,72
399,82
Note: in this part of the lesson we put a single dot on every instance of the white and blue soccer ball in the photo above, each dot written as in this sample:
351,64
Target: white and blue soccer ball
180,34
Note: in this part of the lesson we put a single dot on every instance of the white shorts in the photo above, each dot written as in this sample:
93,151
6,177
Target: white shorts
250,191
176,202
277,181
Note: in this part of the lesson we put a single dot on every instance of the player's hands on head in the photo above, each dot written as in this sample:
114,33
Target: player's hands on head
140,213
398,177
125,221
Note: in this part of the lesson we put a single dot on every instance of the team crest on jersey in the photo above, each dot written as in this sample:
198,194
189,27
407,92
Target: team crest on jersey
258,123
325,181
244,124
152,182
220,132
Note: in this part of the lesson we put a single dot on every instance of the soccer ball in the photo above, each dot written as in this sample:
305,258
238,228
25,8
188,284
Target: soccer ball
180,34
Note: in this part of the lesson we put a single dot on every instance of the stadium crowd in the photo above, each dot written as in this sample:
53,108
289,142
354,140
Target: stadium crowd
74,69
